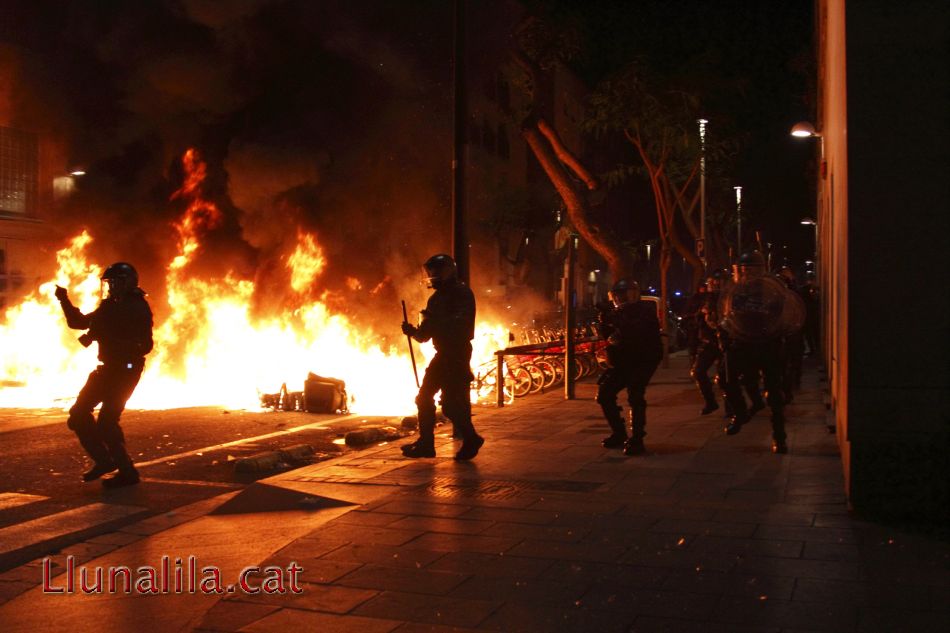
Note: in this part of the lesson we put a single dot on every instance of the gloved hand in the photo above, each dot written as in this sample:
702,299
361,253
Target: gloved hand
86,339
408,329
61,293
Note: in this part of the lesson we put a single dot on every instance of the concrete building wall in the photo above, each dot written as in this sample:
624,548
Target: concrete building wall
884,227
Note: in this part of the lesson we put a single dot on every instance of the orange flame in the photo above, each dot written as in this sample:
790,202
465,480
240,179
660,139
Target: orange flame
306,263
210,350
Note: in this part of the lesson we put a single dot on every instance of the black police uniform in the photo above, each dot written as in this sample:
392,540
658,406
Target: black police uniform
707,352
449,320
692,321
793,350
812,329
633,351
745,356
123,328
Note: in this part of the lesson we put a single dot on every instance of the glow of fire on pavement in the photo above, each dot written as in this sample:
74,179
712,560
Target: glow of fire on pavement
222,356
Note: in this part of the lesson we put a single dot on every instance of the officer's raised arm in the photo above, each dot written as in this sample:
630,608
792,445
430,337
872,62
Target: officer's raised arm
75,319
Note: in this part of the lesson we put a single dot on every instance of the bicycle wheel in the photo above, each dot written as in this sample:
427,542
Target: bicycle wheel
537,377
550,374
558,363
522,381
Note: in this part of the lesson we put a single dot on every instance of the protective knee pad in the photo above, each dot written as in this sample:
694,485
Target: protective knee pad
425,403
80,420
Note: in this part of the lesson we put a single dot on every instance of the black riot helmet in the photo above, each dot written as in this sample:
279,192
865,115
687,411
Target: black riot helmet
625,291
751,265
121,278
440,270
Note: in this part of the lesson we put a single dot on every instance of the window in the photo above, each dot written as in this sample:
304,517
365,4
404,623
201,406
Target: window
19,171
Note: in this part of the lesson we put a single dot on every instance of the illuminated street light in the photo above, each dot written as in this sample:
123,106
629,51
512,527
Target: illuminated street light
77,172
804,129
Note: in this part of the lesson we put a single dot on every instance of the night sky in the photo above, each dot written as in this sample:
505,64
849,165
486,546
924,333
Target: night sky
337,115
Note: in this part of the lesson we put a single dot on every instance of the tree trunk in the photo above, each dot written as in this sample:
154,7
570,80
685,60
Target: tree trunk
665,260
575,200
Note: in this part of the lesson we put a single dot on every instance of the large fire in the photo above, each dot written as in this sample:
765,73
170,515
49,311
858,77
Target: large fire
210,350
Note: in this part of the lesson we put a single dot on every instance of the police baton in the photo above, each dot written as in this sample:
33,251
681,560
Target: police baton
412,354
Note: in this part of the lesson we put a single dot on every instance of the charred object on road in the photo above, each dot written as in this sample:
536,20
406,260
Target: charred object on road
320,395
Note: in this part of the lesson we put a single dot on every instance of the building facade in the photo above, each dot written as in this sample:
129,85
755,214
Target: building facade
883,191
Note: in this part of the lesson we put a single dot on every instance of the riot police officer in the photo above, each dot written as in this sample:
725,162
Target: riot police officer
794,348
754,316
122,326
449,320
633,351
712,341
707,350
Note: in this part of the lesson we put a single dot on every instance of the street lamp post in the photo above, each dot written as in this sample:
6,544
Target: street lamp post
702,189
738,221
804,129
807,222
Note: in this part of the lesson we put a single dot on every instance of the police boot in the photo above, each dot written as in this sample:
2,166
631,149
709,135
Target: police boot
638,420
469,448
419,448
618,427
634,446
125,477
98,470
778,433
709,396
735,425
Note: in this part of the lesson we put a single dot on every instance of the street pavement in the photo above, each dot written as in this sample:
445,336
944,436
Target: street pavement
544,531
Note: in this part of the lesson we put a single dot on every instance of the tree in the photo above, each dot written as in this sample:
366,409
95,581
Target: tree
661,126
537,50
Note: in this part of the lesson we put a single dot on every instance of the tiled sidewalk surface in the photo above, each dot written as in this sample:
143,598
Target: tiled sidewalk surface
547,531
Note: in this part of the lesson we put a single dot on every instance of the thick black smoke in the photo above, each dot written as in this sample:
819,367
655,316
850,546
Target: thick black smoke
333,117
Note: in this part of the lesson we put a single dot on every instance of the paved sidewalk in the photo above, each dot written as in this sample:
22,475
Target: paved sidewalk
545,531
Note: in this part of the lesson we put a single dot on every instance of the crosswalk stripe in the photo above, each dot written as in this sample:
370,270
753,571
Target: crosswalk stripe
53,526
14,499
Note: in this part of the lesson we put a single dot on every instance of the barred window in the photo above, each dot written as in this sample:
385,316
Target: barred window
19,171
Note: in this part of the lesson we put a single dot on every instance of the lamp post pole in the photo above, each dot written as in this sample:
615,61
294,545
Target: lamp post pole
814,225
738,221
702,189
460,249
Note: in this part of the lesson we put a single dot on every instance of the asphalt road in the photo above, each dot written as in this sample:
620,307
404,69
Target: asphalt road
183,455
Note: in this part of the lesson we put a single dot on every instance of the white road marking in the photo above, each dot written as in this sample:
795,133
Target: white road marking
245,440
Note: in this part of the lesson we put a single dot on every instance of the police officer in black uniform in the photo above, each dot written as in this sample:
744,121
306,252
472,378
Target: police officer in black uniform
707,351
122,326
809,293
794,348
449,320
634,351
752,323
